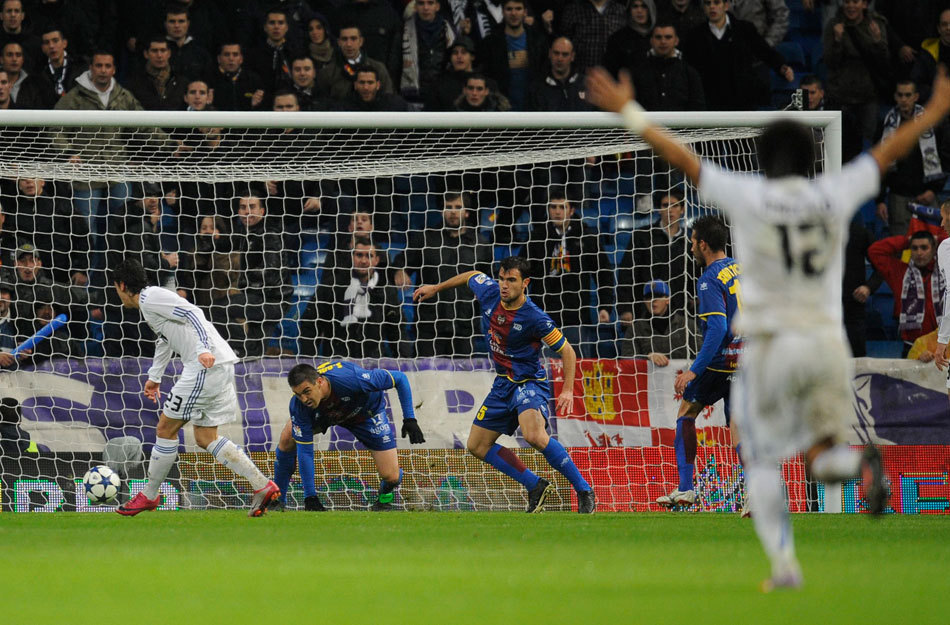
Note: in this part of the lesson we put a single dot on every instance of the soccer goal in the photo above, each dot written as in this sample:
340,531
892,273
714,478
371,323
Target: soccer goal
302,237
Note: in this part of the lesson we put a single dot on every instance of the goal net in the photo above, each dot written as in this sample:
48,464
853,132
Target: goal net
302,236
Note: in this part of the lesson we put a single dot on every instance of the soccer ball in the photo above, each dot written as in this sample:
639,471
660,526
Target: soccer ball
101,484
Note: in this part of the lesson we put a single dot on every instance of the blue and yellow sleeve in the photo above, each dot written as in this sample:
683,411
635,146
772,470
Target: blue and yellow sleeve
484,288
551,335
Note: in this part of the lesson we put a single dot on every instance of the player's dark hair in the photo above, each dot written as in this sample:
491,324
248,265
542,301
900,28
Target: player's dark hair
925,235
302,373
713,231
786,148
131,273
516,262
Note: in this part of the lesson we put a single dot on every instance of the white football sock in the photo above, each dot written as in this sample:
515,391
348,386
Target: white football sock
231,456
164,454
837,464
767,498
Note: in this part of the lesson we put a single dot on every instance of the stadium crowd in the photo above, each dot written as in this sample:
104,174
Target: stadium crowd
327,268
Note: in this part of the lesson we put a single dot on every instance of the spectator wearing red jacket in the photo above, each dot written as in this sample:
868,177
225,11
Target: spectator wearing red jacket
917,285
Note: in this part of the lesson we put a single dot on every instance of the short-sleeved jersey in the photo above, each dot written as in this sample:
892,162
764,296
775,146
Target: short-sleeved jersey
719,294
789,234
356,394
943,265
515,336
181,328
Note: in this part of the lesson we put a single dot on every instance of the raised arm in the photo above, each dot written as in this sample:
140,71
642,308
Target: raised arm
425,292
904,139
617,97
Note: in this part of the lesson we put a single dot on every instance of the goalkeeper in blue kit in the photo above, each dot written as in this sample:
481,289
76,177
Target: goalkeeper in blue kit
345,395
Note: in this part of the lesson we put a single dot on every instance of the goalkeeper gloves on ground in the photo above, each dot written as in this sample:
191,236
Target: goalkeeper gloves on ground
313,504
411,429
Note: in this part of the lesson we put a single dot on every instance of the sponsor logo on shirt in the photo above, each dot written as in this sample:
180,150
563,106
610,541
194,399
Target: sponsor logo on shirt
517,326
365,376
480,278
704,286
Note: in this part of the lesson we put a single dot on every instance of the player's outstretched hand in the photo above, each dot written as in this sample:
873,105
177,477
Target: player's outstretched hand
151,390
607,93
565,401
940,357
411,429
424,292
684,378
206,359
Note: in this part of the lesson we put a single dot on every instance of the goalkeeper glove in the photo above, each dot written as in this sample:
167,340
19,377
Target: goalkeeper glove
411,429
313,504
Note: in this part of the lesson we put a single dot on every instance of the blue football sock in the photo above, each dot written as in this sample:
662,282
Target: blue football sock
557,457
284,467
685,445
508,463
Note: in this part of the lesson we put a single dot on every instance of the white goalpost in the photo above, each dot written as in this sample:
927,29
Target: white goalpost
257,217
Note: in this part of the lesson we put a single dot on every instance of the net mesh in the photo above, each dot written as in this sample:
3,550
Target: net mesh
268,231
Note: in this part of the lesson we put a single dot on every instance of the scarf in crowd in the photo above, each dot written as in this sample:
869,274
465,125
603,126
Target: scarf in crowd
928,143
159,78
322,53
357,297
488,16
914,300
409,85
59,75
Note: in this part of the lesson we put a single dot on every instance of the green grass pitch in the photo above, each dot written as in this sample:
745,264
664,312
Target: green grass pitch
297,567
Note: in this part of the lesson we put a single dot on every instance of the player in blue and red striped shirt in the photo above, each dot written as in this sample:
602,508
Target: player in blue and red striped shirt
517,329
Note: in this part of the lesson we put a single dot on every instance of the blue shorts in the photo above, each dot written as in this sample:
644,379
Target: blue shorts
506,400
710,387
376,433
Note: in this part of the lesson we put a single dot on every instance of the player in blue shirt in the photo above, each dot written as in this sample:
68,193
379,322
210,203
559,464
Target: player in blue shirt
709,378
342,394
520,393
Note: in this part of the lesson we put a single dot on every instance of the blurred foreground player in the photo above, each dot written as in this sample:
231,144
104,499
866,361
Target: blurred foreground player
520,394
340,393
204,394
793,390
943,264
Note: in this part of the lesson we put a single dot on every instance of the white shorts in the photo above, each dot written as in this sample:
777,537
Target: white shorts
204,397
793,390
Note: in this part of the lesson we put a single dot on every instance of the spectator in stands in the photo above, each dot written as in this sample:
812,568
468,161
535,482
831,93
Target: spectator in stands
512,55
426,40
562,89
97,90
913,21
271,59
197,143
320,46
6,102
589,24
770,17
235,87
151,233
8,336
8,243
485,18
337,77
661,333
211,275
934,50
921,174
368,95
446,324
303,73
684,15
664,81
59,71
567,263
75,20
627,48
917,286
198,96
858,59
13,30
477,96
857,286
35,211
382,28
189,57
156,86
725,52
449,87
264,285
25,90
661,252
356,313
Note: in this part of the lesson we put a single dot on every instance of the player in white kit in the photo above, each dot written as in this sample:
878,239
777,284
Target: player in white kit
943,265
793,390
204,395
